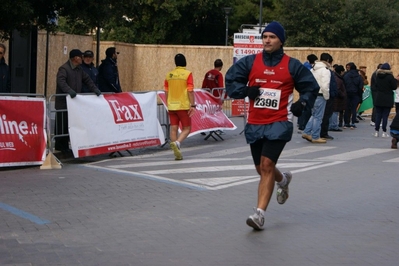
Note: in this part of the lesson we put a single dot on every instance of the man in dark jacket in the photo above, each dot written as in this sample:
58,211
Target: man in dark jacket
108,76
5,80
70,78
268,79
354,90
90,69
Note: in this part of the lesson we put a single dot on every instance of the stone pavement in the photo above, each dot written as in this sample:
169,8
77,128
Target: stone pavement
346,213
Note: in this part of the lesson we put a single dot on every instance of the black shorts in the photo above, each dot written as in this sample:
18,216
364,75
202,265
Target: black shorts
268,148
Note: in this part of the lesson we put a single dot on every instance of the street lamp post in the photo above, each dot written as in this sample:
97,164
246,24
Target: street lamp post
227,11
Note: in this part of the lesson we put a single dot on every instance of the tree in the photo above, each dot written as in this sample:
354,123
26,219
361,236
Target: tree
340,23
23,15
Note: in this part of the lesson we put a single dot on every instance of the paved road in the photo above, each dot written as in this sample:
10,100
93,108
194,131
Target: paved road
148,209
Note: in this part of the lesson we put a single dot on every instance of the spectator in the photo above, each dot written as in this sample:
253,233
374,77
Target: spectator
397,95
5,82
269,79
339,102
395,131
108,75
214,78
354,90
373,93
70,79
179,91
328,111
90,69
385,84
322,74
311,59
304,118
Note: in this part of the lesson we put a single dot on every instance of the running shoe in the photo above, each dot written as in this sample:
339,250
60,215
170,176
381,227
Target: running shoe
176,151
282,191
385,135
256,221
375,134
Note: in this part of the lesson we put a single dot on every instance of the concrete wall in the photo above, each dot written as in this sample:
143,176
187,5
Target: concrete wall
143,67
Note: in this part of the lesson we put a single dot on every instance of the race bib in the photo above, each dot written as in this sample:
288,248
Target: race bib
269,98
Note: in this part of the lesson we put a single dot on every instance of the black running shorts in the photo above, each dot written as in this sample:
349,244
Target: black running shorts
268,148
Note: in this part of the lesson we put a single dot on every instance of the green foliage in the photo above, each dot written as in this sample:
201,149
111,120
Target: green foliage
340,23
309,23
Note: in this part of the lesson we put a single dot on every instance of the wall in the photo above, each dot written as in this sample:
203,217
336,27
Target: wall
143,67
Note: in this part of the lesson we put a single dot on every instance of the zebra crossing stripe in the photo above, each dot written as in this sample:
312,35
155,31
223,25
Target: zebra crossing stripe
221,168
354,154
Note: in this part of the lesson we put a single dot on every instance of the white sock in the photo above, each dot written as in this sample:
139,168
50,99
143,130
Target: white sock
177,144
261,211
283,181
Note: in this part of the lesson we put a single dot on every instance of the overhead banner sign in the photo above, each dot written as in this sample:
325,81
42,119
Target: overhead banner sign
22,131
209,115
113,122
246,44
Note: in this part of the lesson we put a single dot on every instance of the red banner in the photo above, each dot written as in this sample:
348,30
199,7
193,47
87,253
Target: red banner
22,131
209,115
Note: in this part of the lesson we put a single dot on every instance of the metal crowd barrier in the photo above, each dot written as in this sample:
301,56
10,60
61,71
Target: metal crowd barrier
229,107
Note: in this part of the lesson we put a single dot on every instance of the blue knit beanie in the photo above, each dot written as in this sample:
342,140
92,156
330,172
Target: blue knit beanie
386,66
277,29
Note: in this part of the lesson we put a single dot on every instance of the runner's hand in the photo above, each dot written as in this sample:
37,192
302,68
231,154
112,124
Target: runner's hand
252,92
297,108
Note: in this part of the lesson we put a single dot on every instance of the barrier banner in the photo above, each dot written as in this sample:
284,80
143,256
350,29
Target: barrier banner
22,131
209,115
113,122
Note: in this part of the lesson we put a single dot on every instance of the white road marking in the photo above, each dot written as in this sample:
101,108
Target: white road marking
304,150
394,160
170,162
354,154
215,183
222,180
222,168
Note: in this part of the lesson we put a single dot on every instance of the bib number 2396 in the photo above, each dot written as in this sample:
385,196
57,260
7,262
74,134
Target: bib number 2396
269,98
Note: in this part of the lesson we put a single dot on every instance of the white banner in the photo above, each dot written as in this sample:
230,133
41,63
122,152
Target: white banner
113,122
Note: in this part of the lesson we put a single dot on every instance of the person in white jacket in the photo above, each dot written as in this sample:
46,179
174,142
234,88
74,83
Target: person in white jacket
322,75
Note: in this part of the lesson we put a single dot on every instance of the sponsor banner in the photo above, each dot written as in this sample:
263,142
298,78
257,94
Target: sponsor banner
113,122
22,131
209,115
246,44
239,107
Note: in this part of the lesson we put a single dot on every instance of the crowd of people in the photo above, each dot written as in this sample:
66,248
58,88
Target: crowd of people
341,95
